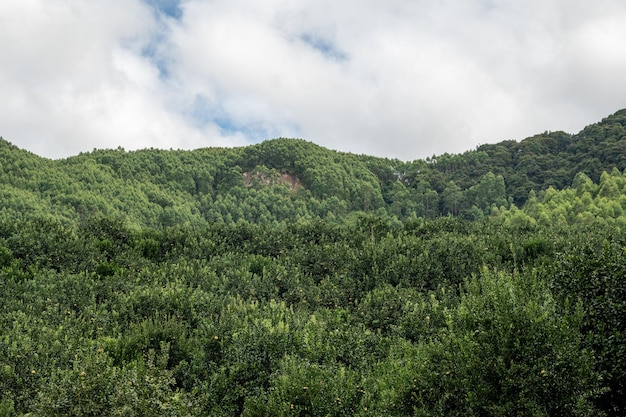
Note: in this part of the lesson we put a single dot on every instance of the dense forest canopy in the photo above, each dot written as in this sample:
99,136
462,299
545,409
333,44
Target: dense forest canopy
291,280
256,183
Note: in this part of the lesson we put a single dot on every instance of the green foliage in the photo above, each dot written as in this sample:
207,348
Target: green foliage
6,408
304,388
504,351
287,279
285,179
594,272
94,386
238,319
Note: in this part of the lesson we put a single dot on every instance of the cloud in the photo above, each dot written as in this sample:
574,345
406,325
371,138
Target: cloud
76,78
404,79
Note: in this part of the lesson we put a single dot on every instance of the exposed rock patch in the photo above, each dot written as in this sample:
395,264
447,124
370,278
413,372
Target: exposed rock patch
256,178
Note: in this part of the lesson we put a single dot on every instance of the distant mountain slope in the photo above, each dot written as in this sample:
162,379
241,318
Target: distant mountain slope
256,183
540,161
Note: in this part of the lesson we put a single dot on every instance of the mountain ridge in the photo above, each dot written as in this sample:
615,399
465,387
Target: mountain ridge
165,187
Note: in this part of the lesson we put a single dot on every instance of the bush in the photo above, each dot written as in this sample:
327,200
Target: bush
508,349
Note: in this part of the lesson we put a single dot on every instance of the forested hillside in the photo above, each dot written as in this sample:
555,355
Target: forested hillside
292,179
285,279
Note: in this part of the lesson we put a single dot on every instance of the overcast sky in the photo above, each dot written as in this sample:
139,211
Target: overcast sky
396,78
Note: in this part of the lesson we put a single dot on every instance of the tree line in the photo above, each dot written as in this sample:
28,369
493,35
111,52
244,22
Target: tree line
158,188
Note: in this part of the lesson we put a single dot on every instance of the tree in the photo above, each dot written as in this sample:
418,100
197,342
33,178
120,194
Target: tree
452,198
488,192
508,349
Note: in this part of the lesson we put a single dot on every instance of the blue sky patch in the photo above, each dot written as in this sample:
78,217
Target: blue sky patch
169,8
253,132
203,112
151,52
323,45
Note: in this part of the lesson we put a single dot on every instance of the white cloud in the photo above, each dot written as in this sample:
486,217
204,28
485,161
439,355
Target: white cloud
400,78
74,78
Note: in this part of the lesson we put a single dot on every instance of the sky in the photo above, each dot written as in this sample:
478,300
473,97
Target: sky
404,79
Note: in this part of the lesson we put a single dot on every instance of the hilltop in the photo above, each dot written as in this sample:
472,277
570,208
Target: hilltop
285,179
